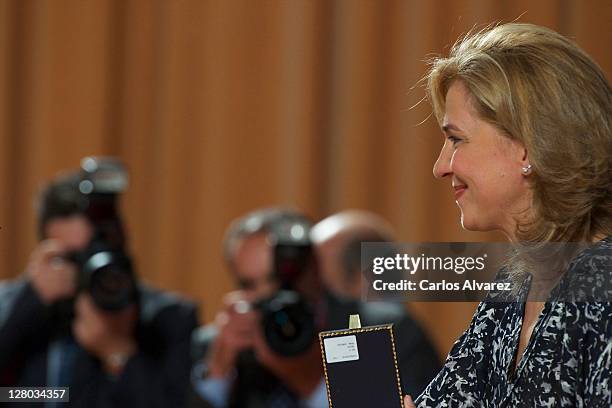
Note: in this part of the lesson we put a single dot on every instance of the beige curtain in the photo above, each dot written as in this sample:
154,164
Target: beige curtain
219,107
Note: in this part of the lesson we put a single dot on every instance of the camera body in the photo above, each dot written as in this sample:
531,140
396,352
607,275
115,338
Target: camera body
105,269
287,317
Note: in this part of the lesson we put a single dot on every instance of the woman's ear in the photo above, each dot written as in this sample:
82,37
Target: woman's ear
526,167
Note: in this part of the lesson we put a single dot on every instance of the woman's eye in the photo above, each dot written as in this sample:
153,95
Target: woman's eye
454,140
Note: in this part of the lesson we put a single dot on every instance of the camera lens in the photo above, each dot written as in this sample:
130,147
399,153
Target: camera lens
112,287
107,275
288,323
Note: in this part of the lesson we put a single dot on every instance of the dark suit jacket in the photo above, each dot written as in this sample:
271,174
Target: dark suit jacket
157,376
417,359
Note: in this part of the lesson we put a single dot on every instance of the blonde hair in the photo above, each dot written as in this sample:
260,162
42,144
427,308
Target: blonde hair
540,88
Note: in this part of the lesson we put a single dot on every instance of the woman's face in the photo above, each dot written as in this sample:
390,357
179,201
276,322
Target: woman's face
484,167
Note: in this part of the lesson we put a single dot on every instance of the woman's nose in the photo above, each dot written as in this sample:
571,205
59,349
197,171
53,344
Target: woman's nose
442,167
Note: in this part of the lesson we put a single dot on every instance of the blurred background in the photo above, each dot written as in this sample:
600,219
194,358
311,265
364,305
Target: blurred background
220,107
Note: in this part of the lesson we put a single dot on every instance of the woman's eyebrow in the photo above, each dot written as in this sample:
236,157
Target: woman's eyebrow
449,126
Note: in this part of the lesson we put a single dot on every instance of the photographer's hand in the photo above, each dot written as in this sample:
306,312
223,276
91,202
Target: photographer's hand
236,325
51,277
302,373
107,335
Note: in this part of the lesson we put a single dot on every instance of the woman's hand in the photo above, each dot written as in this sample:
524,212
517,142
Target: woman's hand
408,402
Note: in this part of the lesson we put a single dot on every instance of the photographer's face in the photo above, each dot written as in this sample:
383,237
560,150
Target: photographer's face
73,233
252,264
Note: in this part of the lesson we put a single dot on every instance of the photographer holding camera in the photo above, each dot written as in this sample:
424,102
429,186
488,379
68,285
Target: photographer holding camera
262,350
79,318
338,241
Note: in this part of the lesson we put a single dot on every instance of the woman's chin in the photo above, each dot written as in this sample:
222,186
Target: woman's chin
472,224
467,225
477,225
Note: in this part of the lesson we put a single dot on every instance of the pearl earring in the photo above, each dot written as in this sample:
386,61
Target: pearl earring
526,170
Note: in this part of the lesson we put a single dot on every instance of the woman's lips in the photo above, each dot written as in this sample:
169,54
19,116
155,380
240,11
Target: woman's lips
459,190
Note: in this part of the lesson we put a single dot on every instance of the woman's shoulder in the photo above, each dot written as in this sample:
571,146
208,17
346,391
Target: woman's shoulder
594,260
595,255
589,276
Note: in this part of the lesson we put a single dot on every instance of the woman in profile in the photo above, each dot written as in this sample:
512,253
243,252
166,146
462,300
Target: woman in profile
527,121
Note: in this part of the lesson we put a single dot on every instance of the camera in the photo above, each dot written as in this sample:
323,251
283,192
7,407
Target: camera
106,274
104,268
288,319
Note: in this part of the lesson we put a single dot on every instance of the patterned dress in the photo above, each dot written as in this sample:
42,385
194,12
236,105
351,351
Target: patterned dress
567,363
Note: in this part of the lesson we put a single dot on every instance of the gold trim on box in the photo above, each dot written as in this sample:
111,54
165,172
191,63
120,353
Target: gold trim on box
337,333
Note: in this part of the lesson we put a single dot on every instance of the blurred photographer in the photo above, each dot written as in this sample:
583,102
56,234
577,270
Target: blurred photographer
262,350
79,318
337,241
